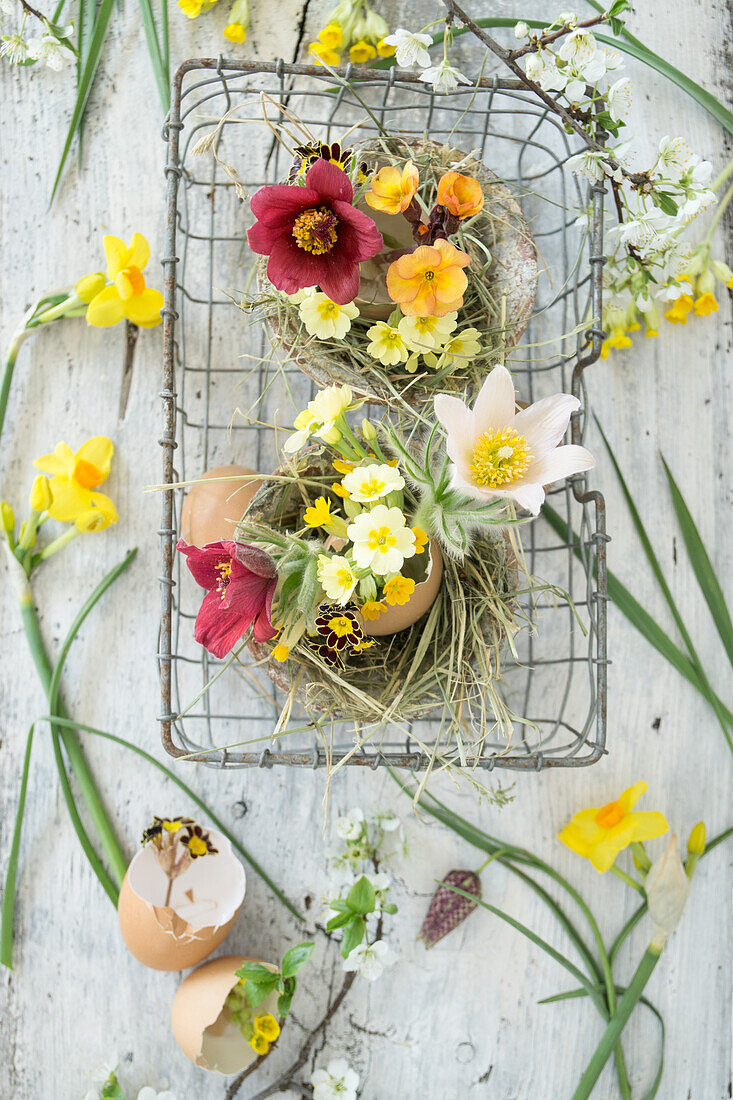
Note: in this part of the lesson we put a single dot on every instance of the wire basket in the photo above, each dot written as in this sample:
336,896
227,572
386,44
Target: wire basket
214,362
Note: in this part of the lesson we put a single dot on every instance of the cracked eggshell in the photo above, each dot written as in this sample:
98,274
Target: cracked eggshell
199,1024
401,616
203,907
212,509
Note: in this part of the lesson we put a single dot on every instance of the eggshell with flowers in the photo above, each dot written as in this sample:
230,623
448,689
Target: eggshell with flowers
203,906
212,508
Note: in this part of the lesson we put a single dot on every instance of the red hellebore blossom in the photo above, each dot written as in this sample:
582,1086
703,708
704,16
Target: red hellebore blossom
241,581
312,234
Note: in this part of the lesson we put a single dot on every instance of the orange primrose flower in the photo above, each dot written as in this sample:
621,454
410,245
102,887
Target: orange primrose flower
392,191
430,281
461,195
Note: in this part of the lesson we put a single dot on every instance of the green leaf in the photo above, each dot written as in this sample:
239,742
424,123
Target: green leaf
339,921
702,566
254,972
296,958
361,897
284,1002
665,203
111,1088
353,935
391,909
158,59
8,908
256,992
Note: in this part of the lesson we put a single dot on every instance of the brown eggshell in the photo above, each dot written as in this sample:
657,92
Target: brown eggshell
401,616
174,937
196,1006
212,509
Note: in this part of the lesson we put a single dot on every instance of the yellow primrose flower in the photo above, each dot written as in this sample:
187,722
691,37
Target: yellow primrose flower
361,52
421,539
366,484
600,833
191,8
281,652
336,577
319,513
76,476
384,49
331,36
679,309
259,1044
460,348
372,609
235,32
325,319
325,54
381,540
339,490
387,344
427,333
398,590
705,304
127,297
267,1026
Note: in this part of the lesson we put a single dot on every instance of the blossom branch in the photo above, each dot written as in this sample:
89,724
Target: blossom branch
552,36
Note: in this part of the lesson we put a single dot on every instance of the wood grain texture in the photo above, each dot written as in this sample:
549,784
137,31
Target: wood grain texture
461,1021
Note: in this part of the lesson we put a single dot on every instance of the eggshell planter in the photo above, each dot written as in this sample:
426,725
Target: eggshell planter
212,509
204,903
402,616
200,1022
512,276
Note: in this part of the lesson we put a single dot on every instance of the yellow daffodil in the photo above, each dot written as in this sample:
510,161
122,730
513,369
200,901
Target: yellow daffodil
74,477
41,496
398,590
319,513
267,1026
677,313
601,832
90,286
372,609
127,296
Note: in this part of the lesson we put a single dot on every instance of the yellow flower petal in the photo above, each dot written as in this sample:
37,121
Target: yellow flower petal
139,252
604,853
70,499
106,309
648,824
144,309
98,452
60,462
90,286
631,795
116,252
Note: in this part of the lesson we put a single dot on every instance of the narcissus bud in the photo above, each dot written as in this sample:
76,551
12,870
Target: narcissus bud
93,520
368,430
7,517
667,888
695,847
90,286
41,495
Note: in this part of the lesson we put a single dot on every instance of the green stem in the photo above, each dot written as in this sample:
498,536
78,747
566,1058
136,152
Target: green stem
6,921
58,544
8,368
617,1023
719,214
627,879
720,180
110,844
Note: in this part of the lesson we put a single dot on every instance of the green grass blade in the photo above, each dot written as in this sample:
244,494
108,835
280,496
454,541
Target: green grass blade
218,823
11,874
629,606
86,80
702,566
157,58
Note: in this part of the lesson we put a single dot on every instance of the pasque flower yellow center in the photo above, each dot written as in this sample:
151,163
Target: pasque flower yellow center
499,456
315,230
224,569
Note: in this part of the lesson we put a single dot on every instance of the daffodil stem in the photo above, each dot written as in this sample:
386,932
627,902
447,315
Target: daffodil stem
108,840
63,309
8,368
722,205
68,536
617,1023
628,879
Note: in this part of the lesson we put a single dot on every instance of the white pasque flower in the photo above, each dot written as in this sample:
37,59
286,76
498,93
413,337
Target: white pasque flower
381,540
386,344
336,577
14,48
370,959
444,77
326,319
366,484
498,452
618,98
410,49
427,333
338,1081
349,826
47,50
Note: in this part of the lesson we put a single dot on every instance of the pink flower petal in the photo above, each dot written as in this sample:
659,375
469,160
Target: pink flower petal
279,204
340,281
544,424
494,406
253,558
202,561
217,629
329,181
358,234
261,237
290,268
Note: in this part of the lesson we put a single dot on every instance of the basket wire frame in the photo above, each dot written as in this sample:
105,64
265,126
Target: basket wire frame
559,683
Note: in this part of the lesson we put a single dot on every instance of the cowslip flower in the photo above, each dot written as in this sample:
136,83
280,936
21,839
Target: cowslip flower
331,36
366,484
370,959
427,333
312,233
430,281
410,49
240,580
372,609
324,53
386,344
326,319
74,479
444,77
498,452
398,590
127,297
238,22
392,190
462,195
337,1081
677,313
361,52
381,540
601,832
336,577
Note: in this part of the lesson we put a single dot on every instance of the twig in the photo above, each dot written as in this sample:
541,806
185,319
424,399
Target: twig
33,11
552,36
638,179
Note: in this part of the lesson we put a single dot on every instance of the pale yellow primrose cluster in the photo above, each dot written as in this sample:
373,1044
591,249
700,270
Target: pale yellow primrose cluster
354,26
375,533
237,24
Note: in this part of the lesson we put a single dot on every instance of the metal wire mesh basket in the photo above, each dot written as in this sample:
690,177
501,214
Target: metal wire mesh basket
214,362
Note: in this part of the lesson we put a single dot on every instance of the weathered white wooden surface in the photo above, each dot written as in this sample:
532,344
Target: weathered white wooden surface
462,1021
